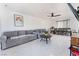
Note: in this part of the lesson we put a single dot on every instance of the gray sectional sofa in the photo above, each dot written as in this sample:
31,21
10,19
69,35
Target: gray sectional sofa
13,38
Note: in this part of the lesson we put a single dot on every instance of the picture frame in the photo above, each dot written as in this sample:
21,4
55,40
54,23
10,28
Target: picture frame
18,20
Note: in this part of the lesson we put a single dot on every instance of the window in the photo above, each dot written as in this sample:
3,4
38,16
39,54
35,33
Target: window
60,24
63,24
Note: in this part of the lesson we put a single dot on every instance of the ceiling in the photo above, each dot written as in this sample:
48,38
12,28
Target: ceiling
41,10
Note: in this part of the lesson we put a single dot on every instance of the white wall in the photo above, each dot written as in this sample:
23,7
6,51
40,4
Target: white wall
75,5
30,22
0,25
66,13
0,21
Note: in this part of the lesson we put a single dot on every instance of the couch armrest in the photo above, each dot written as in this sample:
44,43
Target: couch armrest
35,33
3,42
3,38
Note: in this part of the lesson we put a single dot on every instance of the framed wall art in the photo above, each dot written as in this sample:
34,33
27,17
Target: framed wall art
18,20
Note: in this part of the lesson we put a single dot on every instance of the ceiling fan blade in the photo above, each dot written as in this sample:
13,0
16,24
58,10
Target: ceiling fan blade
56,15
53,15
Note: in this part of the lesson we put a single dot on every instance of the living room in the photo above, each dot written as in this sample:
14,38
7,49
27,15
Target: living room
37,17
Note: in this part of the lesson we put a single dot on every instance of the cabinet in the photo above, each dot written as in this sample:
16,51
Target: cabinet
74,41
74,49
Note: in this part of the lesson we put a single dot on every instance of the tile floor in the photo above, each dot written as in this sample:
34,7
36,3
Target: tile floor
57,46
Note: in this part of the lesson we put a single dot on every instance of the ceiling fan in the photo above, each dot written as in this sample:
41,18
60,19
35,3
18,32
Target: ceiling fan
53,15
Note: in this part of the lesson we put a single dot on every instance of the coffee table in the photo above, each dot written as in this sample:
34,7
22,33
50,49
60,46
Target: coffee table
46,37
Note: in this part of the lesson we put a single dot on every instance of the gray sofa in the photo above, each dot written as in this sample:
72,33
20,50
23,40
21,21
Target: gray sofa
38,32
13,38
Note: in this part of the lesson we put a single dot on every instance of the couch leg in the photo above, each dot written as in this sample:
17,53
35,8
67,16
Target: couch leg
1,46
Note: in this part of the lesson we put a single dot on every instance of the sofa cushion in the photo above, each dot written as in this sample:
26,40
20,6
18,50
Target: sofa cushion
10,34
40,30
21,32
21,36
14,33
16,37
29,32
7,34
